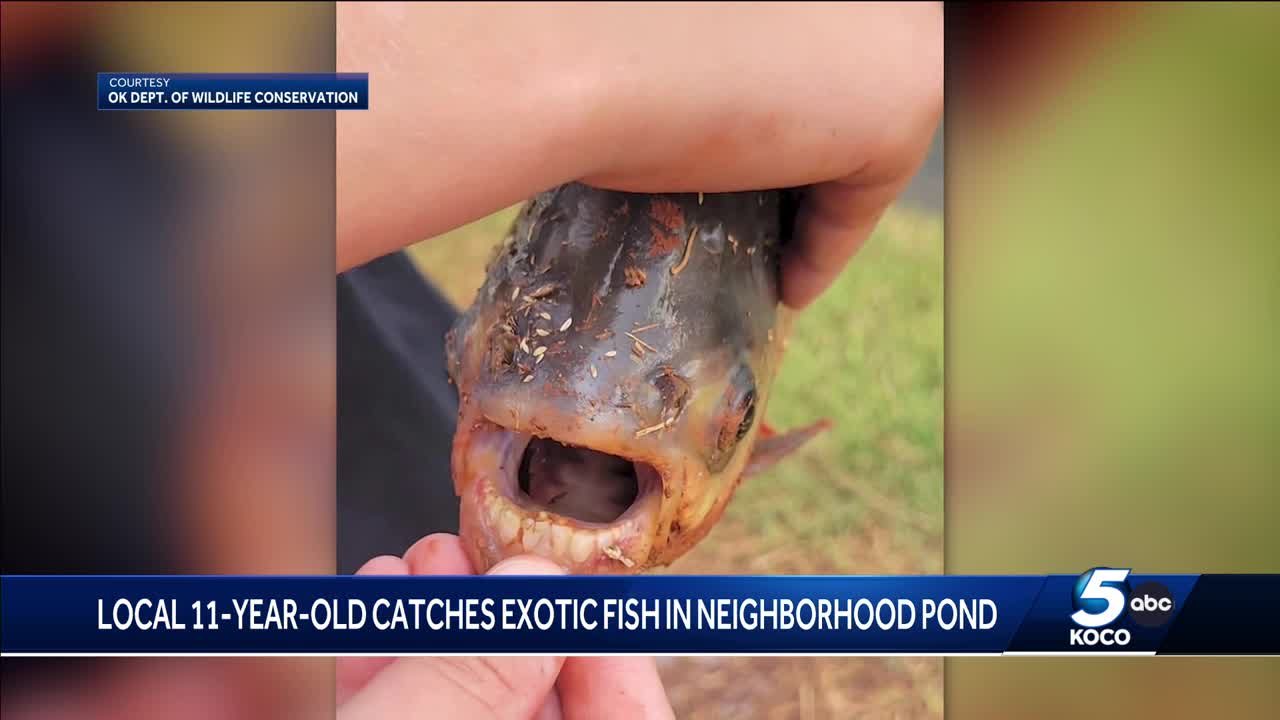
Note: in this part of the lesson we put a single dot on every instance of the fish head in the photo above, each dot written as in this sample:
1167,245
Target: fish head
613,374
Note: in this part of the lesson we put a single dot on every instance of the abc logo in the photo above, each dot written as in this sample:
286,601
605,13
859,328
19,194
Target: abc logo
1151,604
1102,595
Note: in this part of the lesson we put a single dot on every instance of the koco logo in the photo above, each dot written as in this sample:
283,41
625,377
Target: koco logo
1102,595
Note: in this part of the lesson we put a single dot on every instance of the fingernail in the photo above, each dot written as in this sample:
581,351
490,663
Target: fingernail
526,565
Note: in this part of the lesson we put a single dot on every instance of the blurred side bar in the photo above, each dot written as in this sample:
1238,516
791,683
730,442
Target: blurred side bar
168,335
1112,339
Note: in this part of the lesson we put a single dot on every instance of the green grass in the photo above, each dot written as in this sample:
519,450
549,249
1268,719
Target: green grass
868,355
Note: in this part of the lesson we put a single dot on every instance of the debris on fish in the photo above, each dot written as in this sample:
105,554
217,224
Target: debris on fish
613,552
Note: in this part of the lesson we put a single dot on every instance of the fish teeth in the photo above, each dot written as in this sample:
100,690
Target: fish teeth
542,533
582,546
508,525
537,540
561,537
605,539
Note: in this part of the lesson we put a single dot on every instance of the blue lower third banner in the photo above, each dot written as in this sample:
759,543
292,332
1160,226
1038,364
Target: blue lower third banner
233,91
1104,610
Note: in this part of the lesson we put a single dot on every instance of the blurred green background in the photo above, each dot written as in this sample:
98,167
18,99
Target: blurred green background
1113,322
865,498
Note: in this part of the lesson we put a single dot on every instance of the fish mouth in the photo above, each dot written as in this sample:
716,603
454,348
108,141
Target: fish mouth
588,510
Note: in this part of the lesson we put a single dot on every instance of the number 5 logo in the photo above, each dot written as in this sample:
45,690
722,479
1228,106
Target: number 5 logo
1096,592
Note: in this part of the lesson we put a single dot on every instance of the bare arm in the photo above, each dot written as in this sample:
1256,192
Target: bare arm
475,107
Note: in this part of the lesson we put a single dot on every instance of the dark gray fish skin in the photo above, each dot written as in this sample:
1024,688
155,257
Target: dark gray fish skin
643,326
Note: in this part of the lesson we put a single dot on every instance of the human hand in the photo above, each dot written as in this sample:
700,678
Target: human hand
480,106
844,98
475,688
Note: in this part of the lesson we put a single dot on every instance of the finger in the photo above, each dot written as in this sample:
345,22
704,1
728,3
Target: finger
438,554
384,565
551,707
495,688
526,565
627,688
353,673
834,222
474,688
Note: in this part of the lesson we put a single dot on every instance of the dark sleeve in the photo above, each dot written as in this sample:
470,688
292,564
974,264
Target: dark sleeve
396,411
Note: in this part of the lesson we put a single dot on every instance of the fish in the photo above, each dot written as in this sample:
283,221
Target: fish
613,372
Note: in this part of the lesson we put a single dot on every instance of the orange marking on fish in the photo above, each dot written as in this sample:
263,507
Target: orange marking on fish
668,220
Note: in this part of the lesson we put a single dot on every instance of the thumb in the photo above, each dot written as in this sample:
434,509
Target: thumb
526,565
476,688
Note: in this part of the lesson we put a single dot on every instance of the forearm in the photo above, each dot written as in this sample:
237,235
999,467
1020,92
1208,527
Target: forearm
468,114
475,107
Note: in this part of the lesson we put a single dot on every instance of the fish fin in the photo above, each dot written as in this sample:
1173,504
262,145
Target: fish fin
774,446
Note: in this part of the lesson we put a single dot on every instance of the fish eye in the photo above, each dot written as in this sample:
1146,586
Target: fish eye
747,407
740,406
736,416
